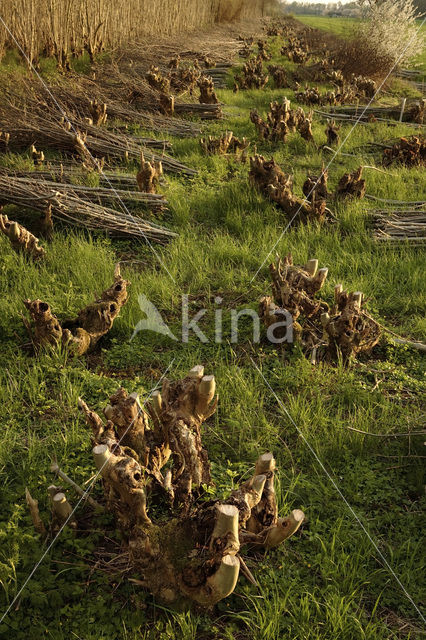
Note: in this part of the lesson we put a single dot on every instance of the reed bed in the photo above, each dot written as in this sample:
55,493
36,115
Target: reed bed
65,28
67,205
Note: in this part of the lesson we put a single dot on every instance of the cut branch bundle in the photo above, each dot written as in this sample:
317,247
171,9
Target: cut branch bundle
106,195
154,456
64,203
411,152
344,331
89,143
271,181
21,239
412,113
394,226
83,333
75,175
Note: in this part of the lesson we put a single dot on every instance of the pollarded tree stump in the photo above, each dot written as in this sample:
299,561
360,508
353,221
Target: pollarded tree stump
154,456
345,330
21,239
269,179
149,174
83,333
332,133
351,185
207,92
349,329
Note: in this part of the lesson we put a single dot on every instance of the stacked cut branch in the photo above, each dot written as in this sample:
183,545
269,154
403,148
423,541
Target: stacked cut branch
89,143
282,120
272,182
399,226
153,456
344,330
83,333
411,113
65,202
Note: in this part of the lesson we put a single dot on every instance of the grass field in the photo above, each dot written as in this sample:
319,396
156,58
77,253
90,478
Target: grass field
330,579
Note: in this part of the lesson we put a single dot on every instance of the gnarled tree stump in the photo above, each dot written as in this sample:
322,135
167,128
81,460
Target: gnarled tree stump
155,457
269,179
207,92
21,239
82,334
344,331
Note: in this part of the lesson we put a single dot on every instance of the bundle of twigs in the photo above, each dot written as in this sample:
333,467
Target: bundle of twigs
27,128
400,226
203,111
66,204
407,112
71,174
219,74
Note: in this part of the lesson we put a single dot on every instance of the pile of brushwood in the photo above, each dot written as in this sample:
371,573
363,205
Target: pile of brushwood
341,331
400,226
153,464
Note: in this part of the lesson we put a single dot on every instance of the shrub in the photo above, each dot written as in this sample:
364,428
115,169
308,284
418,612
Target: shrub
389,31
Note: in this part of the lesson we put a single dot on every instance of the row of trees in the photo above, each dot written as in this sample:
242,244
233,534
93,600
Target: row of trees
350,9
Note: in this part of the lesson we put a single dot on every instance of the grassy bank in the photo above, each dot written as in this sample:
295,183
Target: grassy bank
329,581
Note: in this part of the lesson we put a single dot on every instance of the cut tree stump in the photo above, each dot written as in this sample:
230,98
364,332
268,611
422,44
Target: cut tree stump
345,330
151,460
271,181
83,333
21,239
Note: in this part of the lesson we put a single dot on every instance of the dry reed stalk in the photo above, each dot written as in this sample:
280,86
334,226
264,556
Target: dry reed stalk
64,28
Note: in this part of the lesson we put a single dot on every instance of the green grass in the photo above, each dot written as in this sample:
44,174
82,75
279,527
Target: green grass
340,26
327,581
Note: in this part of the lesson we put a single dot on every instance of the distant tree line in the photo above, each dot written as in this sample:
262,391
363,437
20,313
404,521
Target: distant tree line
351,9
